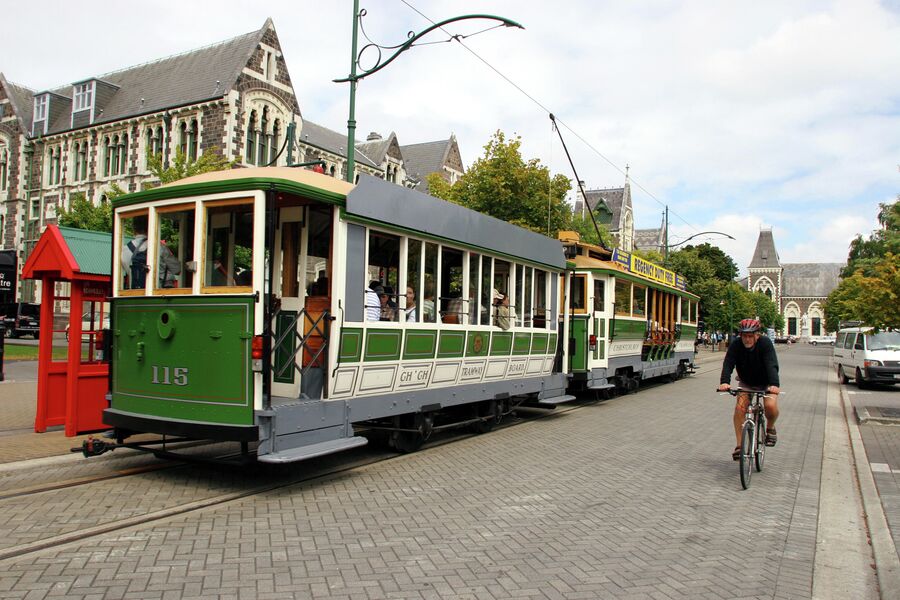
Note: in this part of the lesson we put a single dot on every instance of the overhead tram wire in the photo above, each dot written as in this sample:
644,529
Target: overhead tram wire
459,39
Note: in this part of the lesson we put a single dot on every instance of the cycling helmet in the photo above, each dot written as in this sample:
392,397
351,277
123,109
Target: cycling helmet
750,326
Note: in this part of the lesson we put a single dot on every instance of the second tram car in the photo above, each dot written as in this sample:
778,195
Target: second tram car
628,319
285,307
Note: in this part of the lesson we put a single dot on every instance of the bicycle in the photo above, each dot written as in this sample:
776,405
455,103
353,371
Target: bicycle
753,434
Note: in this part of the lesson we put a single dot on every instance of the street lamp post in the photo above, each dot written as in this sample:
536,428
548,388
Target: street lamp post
357,72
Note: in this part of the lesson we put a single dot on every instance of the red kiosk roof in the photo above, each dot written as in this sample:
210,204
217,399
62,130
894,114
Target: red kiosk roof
68,254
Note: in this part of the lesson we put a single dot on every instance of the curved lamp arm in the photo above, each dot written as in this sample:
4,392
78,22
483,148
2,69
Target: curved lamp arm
413,38
699,234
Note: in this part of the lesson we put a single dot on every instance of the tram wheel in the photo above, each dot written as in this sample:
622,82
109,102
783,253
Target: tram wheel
488,408
410,441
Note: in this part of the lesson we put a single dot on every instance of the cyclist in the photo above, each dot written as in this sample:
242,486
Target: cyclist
757,369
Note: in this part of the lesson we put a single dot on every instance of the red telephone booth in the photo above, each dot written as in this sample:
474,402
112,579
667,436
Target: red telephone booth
72,392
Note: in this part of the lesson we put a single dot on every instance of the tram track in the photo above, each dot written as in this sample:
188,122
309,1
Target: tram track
375,457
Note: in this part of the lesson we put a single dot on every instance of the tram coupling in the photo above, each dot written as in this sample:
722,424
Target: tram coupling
92,447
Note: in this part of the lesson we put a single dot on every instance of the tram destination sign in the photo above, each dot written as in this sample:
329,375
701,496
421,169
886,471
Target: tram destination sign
645,268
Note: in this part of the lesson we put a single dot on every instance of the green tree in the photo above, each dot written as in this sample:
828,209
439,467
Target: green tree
766,310
871,295
83,214
506,186
183,166
865,253
585,229
723,266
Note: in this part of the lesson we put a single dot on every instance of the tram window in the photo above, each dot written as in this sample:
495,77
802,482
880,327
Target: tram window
318,250
685,309
451,285
176,247
431,260
527,312
695,308
518,303
599,290
485,304
133,258
639,304
229,245
577,294
540,299
413,280
384,267
472,309
623,297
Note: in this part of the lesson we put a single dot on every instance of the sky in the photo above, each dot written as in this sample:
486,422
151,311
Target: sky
736,115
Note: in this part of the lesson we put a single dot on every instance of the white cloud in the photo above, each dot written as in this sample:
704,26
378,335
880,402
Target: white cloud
734,114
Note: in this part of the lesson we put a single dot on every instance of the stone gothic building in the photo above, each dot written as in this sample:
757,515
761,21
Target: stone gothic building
234,98
798,289
617,201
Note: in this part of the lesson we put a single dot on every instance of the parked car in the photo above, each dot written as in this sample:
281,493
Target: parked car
87,326
867,356
785,339
21,318
821,339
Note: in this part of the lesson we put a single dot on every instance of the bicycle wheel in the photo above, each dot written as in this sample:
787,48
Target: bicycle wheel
747,454
760,455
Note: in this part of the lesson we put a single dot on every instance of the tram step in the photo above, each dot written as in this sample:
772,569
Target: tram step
556,400
313,450
600,386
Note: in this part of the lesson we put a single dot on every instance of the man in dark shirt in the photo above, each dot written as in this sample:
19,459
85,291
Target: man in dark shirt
757,368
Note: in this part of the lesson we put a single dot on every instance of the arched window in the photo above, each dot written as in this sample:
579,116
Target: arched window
251,138
263,137
183,138
107,156
4,172
158,140
148,146
276,133
123,154
83,156
331,171
192,141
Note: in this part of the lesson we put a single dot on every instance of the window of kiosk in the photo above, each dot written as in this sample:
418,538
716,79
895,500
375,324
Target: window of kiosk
623,297
228,247
175,231
133,258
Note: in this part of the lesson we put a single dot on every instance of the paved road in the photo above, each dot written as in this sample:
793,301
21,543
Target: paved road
636,497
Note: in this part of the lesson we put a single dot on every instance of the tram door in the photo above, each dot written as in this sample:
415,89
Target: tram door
598,335
302,283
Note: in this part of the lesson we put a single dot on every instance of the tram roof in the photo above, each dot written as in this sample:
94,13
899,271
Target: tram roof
378,200
593,264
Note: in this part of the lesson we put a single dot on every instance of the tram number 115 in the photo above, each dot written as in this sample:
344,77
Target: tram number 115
170,375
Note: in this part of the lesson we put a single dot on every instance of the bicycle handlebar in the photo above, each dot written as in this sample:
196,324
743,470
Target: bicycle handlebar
736,391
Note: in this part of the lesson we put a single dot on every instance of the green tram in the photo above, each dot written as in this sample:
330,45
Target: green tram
240,312
628,319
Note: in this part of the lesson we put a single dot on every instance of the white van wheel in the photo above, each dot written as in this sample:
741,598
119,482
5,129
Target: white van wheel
842,377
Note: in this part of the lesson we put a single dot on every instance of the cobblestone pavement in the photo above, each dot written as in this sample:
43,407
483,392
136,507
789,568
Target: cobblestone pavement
636,497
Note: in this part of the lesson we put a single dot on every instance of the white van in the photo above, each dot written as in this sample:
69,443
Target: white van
866,356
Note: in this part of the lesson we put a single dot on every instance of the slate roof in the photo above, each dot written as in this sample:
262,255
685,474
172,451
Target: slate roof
806,280
186,78
765,255
22,100
420,160
649,239
376,149
331,141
